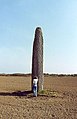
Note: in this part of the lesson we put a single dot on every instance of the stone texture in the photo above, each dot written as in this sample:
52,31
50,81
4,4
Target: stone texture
37,58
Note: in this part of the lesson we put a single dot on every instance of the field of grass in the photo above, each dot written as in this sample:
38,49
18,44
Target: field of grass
57,101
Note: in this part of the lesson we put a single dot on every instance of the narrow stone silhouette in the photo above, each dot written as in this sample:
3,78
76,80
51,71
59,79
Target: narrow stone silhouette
37,58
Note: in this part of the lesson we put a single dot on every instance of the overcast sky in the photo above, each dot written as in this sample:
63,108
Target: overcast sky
18,21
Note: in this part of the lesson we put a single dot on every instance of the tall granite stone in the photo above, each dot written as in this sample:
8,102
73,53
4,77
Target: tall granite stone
37,58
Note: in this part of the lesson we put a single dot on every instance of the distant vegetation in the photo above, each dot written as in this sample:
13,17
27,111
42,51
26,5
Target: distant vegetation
45,74
15,74
60,75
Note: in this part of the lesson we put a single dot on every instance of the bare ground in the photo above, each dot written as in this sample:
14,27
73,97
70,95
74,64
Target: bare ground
58,101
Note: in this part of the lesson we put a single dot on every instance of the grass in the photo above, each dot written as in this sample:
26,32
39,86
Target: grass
49,93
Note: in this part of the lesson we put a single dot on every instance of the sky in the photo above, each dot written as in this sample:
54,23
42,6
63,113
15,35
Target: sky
18,21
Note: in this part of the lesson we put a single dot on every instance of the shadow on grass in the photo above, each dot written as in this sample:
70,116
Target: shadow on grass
17,93
29,94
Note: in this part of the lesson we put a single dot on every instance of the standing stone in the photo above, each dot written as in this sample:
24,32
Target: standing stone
37,58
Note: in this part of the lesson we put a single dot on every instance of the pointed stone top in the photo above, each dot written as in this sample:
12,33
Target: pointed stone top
39,29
